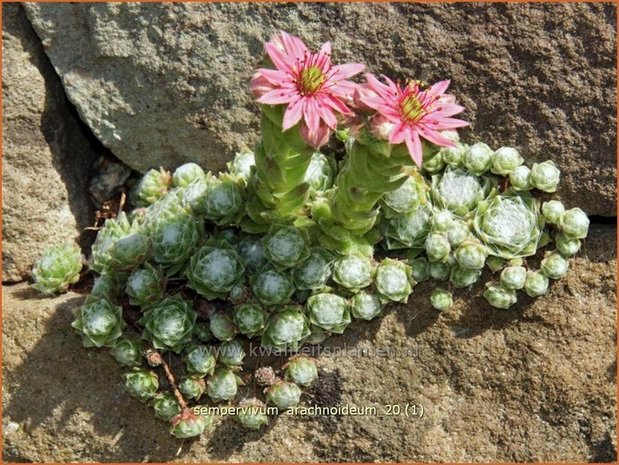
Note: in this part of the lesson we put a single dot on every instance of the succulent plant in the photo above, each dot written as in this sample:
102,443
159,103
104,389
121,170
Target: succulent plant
420,269
169,324
439,271
272,287
106,286
301,370
520,179
241,165
495,263
192,387
165,405
151,187
459,191
113,229
251,413
408,230
463,277
320,172
574,224
329,311
441,299
187,424
222,385
441,221
408,197
141,384
365,306
437,247
174,240
252,251
285,246
509,225
214,269
200,360
471,254
202,332
222,326
454,156
505,160
127,351
58,267
478,158
567,246
545,176
225,200
499,297
554,265
314,272
231,353
553,211
145,286
513,277
354,272
394,280
188,173
250,319
284,395
286,328
100,323
536,284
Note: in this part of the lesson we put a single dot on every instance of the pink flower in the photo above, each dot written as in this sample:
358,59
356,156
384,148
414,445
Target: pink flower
313,89
414,112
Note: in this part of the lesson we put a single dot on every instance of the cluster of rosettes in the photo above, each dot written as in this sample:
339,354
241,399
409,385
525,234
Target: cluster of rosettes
472,207
178,274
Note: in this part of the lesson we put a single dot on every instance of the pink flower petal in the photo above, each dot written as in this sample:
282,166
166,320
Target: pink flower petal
436,138
293,45
343,89
274,76
316,139
310,114
281,61
340,72
293,114
445,123
440,87
400,133
326,114
336,104
381,89
413,143
277,97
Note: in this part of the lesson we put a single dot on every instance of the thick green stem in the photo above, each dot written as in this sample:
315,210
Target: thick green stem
277,191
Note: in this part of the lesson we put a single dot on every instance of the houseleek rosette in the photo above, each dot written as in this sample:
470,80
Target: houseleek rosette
58,267
100,323
168,325
141,384
165,406
252,413
286,329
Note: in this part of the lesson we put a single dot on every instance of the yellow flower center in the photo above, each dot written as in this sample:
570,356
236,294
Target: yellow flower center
412,108
311,79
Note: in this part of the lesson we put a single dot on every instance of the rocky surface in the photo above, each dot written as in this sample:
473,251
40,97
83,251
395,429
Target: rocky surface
161,84
46,159
535,383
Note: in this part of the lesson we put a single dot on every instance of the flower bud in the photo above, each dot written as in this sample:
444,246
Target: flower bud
441,299
272,287
145,286
284,395
420,269
437,247
222,326
200,360
464,277
553,211
554,265
536,284
314,272
252,413
381,127
353,272
513,277
440,270
499,297
127,351
301,370
141,384
471,254
100,323
222,385
574,224
188,173
567,246
285,246
165,405
58,267
365,306
187,424
169,324
505,160
329,311
545,176
231,353
192,387
394,280
286,328
478,158
520,178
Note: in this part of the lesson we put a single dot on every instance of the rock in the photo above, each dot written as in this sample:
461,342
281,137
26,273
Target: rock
163,84
534,383
46,158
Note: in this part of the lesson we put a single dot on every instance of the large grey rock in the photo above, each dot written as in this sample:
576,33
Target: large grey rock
161,84
46,158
